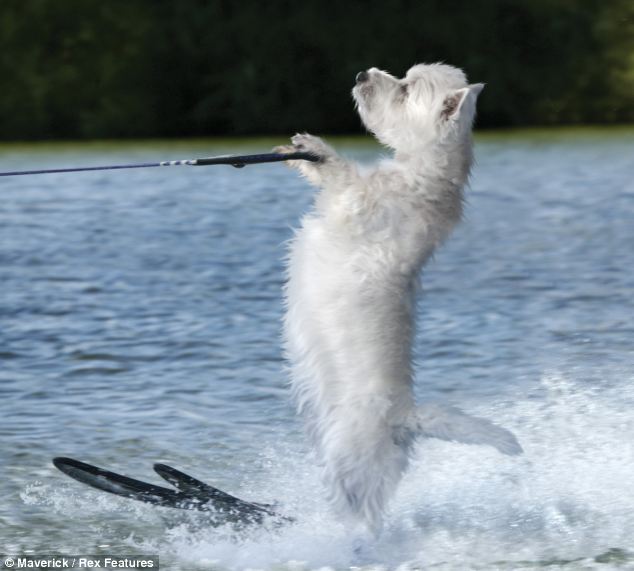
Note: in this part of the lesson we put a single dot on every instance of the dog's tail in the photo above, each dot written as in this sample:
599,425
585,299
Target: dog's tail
364,455
449,423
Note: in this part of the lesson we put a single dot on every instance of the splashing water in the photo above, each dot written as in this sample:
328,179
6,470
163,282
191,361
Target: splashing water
568,501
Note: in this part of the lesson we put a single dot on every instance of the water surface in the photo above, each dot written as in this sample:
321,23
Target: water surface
140,321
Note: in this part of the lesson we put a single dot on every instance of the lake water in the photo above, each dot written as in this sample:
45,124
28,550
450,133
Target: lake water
140,322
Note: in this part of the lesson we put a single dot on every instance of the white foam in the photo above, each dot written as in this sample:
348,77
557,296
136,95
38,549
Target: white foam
569,497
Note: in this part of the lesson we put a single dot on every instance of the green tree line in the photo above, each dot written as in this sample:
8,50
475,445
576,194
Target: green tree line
168,68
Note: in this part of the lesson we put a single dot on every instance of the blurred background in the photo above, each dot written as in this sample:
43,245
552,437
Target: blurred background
166,68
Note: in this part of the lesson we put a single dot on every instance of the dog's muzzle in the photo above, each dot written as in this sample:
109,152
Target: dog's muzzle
362,77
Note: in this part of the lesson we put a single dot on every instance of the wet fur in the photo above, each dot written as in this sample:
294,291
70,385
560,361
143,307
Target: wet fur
353,272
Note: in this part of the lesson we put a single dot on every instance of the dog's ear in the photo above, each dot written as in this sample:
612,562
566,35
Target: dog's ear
454,102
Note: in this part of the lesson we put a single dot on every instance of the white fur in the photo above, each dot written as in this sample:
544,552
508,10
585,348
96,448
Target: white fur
353,277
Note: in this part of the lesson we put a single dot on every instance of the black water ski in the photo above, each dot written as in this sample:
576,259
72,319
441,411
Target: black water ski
190,485
191,494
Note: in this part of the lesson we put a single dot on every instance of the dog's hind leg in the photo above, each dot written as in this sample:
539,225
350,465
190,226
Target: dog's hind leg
449,423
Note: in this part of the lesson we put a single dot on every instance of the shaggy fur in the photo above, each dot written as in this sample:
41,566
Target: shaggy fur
353,275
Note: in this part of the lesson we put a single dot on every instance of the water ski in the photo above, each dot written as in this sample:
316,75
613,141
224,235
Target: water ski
189,493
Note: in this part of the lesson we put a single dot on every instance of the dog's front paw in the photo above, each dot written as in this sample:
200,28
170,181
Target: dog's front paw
311,144
311,169
286,150
306,143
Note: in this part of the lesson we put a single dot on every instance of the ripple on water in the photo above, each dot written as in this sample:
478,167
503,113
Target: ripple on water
140,322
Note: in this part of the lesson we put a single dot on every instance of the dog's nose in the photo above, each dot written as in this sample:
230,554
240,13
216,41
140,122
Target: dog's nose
362,77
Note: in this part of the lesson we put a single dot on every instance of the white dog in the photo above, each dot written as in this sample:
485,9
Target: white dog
353,275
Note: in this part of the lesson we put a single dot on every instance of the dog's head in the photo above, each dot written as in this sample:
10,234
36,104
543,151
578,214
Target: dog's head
432,103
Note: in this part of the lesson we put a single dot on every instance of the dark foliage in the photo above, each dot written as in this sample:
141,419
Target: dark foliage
137,68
